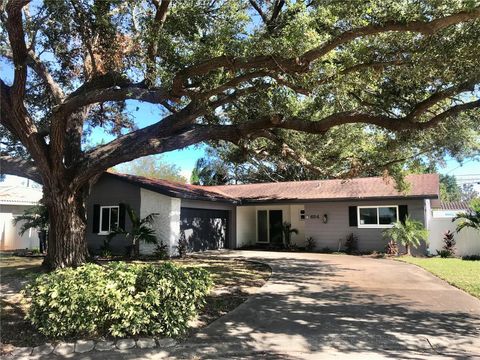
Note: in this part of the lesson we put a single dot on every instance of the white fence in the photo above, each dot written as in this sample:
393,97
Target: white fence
468,240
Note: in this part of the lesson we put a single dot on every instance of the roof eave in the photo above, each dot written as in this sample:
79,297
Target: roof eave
310,200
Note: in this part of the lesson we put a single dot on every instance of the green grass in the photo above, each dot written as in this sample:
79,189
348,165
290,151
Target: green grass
460,273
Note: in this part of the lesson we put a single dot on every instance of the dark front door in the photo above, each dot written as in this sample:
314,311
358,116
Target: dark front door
275,220
204,229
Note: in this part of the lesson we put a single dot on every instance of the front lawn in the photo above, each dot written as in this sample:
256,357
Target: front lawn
460,273
234,280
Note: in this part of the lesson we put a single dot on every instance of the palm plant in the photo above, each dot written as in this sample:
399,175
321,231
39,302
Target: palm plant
408,233
141,230
470,219
287,234
35,217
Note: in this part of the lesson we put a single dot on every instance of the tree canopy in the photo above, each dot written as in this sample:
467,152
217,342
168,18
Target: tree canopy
152,167
307,66
252,73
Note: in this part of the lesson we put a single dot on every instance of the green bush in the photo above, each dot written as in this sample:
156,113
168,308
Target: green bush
118,299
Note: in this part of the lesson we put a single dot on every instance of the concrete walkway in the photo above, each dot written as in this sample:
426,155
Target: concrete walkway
334,306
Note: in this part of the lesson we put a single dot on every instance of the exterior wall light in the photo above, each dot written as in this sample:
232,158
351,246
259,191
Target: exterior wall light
325,218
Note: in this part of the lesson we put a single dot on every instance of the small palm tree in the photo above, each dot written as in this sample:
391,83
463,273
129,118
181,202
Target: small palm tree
35,217
470,219
408,233
287,234
141,231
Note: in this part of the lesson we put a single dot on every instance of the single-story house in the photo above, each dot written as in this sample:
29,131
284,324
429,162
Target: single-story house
14,200
235,216
441,220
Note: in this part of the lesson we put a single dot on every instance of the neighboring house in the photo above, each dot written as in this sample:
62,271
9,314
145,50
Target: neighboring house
14,200
442,214
233,216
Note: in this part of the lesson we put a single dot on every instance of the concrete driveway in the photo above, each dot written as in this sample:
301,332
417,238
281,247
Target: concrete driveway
336,306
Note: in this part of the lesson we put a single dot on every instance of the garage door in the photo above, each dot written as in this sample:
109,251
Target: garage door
205,229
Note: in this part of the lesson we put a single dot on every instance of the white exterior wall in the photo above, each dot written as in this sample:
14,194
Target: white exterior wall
298,239
467,240
246,229
247,222
9,237
167,223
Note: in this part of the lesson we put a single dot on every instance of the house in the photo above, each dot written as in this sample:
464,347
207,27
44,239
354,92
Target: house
442,214
14,200
234,216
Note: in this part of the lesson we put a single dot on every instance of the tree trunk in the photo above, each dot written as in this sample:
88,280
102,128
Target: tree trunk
407,249
67,244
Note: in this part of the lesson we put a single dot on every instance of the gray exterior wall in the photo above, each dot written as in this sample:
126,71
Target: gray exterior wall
337,228
110,192
215,205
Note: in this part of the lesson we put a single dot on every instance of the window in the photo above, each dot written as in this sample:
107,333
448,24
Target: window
269,226
377,216
108,219
302,215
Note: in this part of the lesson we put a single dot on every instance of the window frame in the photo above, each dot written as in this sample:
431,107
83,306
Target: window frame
377,225
268,224
100,231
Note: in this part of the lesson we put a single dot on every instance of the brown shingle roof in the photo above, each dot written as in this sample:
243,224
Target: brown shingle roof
421,186
453,205
172,188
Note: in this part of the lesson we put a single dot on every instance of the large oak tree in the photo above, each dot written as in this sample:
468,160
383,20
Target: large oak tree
228,70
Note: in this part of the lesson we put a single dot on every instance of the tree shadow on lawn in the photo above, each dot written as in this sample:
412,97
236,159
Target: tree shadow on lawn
305,316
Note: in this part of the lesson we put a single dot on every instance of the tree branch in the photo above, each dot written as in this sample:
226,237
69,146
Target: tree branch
19,167
16,36
291,153
259,10
426,104
79,99
161,11
162,137
302,63
42,71
423,27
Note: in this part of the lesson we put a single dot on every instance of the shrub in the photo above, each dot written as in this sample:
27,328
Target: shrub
471,257
118,299
105,249
351,243
448,249
444,253
182,246
310,245
391,248
161,251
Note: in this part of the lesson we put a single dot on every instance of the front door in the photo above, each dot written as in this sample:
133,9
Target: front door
275,221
